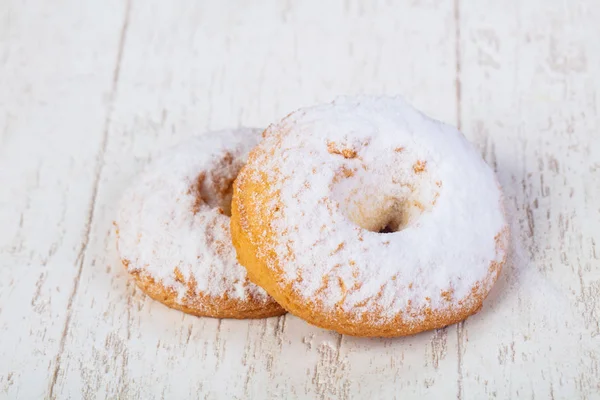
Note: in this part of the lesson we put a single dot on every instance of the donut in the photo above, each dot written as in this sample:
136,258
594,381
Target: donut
366,217
173,229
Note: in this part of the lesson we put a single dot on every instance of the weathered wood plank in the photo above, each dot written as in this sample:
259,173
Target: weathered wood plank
530,82
56,71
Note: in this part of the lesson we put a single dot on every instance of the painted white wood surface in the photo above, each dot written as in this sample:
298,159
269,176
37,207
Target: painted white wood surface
90,90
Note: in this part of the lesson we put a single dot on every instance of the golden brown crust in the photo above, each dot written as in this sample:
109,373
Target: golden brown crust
206,306
200,304
174,236
264,270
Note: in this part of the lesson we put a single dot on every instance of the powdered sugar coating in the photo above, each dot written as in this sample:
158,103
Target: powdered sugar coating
339,173
172,224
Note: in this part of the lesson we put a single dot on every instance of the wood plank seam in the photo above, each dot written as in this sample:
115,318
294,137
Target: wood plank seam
457,83
457,56
81,256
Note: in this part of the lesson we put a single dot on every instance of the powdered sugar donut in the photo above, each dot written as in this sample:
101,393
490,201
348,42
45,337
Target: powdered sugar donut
366,217
173,230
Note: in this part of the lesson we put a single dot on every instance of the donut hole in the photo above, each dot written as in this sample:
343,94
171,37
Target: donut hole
381,213
396,221
389,229
383,204
225,207
215,187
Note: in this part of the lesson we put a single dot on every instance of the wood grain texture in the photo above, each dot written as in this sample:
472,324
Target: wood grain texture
529,86
90,92
54,80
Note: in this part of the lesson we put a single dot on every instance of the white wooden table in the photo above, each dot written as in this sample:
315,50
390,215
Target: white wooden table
89,90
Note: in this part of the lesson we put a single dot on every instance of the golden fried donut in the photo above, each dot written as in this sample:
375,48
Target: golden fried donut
173,230
366,217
